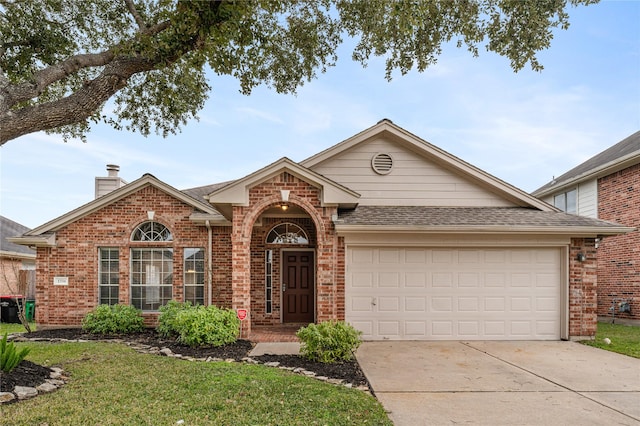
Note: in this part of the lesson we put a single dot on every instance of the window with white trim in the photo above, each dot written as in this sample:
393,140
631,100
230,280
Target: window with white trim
287,233
108,276
567,201
151,273
194,275
268,281
151,277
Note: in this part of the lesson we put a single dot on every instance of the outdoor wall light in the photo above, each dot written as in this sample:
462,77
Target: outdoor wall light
581,257
284,207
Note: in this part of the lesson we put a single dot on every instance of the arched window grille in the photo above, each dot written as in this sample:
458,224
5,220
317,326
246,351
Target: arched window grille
151,231
287,233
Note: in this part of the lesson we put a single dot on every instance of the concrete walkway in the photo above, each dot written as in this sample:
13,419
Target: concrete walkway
502,383
275,348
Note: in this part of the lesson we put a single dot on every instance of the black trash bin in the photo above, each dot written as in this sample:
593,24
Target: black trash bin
9,309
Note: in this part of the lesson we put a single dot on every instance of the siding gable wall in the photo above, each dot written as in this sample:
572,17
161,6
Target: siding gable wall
413,181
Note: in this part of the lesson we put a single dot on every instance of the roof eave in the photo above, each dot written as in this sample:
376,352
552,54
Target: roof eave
595,173
16,255
574,231
48,240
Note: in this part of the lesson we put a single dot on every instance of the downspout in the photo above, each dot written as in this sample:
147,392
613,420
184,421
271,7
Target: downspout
209,256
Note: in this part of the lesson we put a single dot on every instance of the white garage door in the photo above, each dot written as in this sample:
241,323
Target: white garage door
454,294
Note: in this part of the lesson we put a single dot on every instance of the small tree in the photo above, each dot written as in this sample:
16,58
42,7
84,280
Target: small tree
10,273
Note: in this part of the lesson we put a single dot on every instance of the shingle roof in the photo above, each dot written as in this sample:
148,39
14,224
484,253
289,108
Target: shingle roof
624,148
199,192
9,228
466,217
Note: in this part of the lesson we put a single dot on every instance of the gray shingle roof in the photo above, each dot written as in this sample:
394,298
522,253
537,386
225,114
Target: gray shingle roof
9,228
199,192
465,217
625,147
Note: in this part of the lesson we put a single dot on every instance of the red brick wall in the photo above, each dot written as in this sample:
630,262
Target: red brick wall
619,256
76,254
583,289
262,197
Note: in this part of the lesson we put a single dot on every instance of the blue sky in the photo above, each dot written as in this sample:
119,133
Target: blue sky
521,127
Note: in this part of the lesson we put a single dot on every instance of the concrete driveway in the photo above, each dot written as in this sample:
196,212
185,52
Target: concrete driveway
502,383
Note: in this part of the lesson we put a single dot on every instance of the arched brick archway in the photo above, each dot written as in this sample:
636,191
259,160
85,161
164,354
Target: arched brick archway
244,218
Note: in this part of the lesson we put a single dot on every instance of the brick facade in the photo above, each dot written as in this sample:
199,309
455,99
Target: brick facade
583,289
237,256
619,256
75,255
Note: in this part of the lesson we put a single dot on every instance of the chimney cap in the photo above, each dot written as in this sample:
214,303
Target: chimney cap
114,167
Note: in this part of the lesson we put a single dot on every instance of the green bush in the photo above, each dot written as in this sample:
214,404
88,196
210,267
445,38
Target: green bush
168,314
329,342
114,319
199,325
10,357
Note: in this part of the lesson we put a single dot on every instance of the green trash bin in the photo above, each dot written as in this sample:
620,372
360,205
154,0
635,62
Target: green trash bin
30,310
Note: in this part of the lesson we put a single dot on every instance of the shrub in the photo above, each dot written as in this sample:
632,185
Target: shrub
200,325
329,342
167,326
10,357
114,319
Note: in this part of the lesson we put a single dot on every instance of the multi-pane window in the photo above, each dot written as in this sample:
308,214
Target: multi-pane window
268,278
566,201
194,275
151,277
108,276
287,233
151,231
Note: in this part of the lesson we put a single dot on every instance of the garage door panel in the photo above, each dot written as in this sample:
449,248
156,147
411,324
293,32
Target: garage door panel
438,294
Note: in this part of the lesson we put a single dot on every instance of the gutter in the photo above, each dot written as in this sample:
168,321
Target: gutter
209,256
584,231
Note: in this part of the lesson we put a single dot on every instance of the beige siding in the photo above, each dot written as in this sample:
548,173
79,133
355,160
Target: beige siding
588,198
414,179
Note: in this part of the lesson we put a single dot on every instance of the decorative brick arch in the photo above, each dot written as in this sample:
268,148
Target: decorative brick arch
244,218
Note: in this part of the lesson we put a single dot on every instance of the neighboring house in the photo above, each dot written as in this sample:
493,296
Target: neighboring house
607,187
385,230
17,262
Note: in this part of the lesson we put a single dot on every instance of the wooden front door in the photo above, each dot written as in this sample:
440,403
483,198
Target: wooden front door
298,286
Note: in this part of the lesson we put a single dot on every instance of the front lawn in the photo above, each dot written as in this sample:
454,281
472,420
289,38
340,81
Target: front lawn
112,384
625,339
6,327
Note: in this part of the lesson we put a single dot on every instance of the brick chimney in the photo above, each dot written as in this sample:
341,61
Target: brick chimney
111,182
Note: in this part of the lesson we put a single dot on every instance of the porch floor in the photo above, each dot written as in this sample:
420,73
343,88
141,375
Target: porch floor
275,333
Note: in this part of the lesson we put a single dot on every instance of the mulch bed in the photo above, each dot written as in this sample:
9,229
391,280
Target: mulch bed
30,374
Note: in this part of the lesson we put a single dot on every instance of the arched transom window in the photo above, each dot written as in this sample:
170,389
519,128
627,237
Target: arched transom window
287,233
151,231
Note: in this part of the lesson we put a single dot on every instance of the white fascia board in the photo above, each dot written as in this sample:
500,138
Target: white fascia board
48,240
17,256
114,196
578,231
237,193
422,147
604,170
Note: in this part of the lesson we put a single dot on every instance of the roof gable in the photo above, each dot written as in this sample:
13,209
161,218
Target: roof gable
8,229
427,175
110,198
624,154
237,192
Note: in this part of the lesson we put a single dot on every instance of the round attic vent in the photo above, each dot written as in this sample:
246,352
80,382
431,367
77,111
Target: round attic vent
382,163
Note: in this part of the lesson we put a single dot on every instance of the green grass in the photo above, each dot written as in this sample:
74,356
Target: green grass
111,384
14,328
625,339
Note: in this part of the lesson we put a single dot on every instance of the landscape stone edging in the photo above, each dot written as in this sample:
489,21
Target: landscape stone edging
154,350
56,380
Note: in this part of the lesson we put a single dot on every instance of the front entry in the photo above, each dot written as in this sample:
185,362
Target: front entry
298,286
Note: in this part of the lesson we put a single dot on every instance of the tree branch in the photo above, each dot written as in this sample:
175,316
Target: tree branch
134,12
76,107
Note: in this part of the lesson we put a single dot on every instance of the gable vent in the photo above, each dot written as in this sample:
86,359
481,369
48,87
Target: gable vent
382,163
